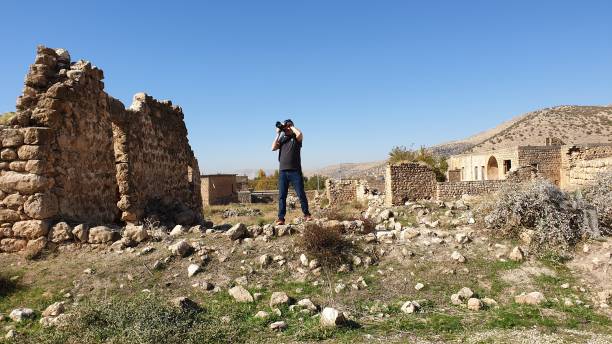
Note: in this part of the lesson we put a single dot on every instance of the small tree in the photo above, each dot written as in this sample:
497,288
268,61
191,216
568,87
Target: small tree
437,163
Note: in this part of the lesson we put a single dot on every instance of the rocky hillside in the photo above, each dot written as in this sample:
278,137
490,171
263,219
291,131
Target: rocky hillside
570,124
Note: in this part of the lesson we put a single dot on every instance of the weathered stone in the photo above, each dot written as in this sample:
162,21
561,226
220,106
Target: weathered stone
103,235
81,232
37,135
410,307
8,154
181,248
30,152
458,257
21,314
474,304
331,317
465,293
8,215
18,166
517,254
11,138
238,231
278,299
185,304
60,232
12,245
30,229
23,183
262,315
193,269
265,260
54,310
14,201
278,326
533,298
41,206
178,230
136,233
240,294
308,304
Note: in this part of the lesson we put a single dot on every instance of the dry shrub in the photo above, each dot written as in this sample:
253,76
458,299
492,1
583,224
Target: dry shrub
326,244
599,195
556,217
338,214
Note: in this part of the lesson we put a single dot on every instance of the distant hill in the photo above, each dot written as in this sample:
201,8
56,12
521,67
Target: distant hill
571,124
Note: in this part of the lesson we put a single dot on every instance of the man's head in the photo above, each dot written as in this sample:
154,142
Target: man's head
287,127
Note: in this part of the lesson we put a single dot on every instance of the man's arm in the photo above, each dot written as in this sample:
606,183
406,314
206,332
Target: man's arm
276,143
298,134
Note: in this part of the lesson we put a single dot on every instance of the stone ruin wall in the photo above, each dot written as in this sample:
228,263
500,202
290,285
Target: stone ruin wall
409,181
341,191
454,190
582,164
547,159
73,153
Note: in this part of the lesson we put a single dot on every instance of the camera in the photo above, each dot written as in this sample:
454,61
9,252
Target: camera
284,125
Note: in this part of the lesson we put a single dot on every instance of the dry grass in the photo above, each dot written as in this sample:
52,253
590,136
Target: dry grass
326,244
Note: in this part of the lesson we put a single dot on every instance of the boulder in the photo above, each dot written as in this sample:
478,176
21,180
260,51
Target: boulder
278,299
474,304
465,293
21,314
41,206
8,215
81,232
136,233
30,229
533,298
240,294
331,317
177,231
102,235
12,245
410,307
60,232
193,269
23,183
517,254
238,231
278,326
54,310
181,248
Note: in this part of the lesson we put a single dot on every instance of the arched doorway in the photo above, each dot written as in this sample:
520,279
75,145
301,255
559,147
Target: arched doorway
492,169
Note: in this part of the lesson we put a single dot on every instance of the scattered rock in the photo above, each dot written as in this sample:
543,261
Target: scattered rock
265,260
102,235
238,231
181,248
465,293
533,298
331,317
240,294
185,303
456,256
262,315
21,314
54,310
60,232
517,254
81,233
193,269
419,286
278,299
136,233
474,304
177,231
278,326
410,307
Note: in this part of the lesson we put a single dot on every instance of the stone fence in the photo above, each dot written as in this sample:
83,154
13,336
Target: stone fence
73,153
454,190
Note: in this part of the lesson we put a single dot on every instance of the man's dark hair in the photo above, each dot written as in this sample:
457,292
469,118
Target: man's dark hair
289,121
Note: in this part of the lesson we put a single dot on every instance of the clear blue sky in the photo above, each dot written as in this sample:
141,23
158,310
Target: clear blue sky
357,76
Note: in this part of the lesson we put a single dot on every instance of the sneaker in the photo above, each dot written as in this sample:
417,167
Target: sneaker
307,218
280,222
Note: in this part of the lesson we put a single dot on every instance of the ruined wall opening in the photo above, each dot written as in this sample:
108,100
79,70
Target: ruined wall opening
492,169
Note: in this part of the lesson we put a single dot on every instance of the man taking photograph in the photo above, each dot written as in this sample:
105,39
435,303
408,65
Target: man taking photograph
288,142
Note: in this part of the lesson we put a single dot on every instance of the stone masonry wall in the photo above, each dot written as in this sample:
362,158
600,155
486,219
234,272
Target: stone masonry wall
340,191
547,159
409,181
581,164
73,153
454,190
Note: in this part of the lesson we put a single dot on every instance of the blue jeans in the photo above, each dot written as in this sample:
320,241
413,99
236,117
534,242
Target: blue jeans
296,178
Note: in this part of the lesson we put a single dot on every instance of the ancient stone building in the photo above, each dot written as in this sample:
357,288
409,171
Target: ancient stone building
74,153
219,189
409,181
553,161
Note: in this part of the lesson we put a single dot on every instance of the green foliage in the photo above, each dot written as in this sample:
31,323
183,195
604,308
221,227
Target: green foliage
315,182
437,163
6,117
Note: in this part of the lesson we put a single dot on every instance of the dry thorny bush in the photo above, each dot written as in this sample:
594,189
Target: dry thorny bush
599,195
327,245
556,217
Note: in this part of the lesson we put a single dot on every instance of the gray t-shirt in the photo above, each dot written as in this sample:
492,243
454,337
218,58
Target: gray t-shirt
289,153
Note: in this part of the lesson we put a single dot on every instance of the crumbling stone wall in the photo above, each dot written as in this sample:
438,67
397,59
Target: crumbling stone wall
75,154
409,181
581,164
547,159
454,190
340,191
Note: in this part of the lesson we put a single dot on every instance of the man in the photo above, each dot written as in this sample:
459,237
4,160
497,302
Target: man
288,142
